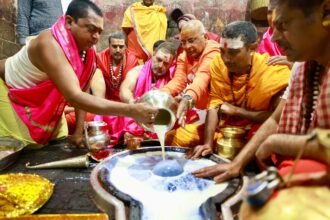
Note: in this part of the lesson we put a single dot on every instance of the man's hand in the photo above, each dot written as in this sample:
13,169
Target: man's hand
76,140
220,172
279,60
143,113
199,150
228,109
182,111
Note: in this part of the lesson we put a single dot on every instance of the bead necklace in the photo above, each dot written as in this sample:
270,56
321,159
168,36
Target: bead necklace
246,88
83,56
312,90
115,81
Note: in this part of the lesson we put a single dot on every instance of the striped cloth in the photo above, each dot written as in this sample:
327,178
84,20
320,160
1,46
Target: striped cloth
291,121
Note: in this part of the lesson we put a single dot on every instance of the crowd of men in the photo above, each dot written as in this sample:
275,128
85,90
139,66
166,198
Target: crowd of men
223,75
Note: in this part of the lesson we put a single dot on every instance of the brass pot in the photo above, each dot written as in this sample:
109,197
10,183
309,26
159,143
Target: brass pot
167,108
231,143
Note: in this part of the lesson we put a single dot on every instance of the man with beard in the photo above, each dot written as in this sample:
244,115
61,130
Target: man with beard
301,130
243,89
302,30
154,74
113,64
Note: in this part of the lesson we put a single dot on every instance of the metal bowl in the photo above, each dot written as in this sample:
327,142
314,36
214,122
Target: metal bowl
122,206
167,108
10,149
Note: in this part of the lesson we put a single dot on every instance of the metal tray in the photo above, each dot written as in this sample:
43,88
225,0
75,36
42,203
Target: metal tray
10,149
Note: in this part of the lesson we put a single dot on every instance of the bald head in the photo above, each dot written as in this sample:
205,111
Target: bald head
193,26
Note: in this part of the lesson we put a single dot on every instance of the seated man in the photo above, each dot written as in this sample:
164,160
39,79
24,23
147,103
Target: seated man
53,69
244,89
267,46
154,74
307,103
188,17
113,64
192,74
144,23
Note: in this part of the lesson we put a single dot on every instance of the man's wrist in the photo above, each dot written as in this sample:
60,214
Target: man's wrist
191,102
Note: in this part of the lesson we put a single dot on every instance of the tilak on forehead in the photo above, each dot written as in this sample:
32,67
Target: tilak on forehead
231,43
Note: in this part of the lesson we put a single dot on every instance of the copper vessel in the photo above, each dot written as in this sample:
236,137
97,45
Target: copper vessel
231,143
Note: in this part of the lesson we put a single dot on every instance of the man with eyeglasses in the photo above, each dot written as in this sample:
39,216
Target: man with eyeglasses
192,75
243,89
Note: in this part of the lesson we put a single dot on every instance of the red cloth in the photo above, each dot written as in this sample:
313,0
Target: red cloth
291,121
41,107
267,46
213,36
103,63
303,166
144,82
71,120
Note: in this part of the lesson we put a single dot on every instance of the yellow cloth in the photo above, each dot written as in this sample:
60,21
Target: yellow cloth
149,23
264,82
303,203
12,126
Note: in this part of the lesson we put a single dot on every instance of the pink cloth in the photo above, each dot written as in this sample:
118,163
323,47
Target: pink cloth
118,125
40,107
267,46
144,82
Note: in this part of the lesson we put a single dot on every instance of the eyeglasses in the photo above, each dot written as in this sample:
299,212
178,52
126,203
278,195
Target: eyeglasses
190,40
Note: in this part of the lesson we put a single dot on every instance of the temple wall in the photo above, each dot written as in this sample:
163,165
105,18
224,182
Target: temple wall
213,13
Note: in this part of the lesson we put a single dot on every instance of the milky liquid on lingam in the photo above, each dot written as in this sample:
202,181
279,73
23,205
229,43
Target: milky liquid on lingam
161,130
175,197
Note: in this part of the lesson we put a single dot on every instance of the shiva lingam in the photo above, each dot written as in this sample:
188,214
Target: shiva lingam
231,142
135,185
96,135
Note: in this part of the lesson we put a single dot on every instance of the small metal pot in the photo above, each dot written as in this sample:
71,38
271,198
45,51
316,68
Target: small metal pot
96,135
167,108
231,142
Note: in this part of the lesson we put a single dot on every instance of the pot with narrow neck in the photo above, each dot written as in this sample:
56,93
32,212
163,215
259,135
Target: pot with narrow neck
231,143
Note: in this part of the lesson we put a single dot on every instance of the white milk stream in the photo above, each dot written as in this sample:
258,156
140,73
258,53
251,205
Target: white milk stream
161,130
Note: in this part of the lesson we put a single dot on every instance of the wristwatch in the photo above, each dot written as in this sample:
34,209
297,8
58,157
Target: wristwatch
190,100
